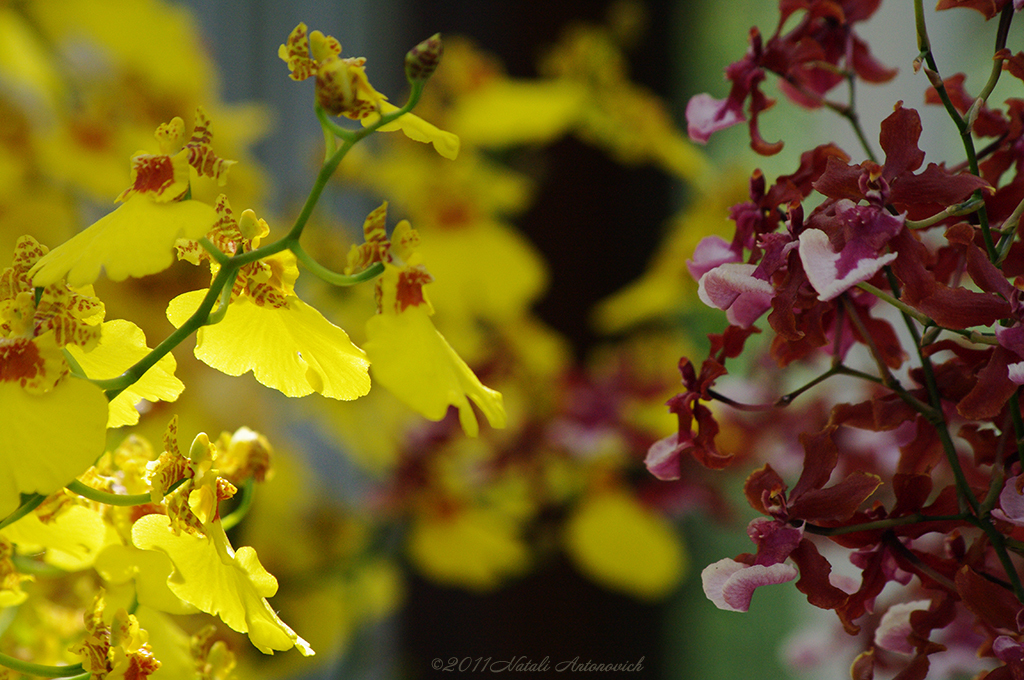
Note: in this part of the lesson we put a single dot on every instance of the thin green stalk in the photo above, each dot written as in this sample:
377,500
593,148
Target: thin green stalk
963,126
334,278
115,386
40,670
244,503
27,506
230,266
916,518
107,498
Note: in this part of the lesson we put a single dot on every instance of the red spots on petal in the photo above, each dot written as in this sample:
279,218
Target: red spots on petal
152,174
20,361
410,288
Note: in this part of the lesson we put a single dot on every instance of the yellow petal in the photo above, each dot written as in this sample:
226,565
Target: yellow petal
414,362
508,112
419,130
150,569
135,240
121,345
72,539
490,270
293,348
471,548
209,574
623,545
49,439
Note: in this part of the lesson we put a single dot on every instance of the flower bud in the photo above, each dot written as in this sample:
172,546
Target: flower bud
422,60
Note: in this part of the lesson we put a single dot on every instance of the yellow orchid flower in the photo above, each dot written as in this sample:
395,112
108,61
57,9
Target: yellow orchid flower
342,88
35,387
136,239
116,650
407,354
267,329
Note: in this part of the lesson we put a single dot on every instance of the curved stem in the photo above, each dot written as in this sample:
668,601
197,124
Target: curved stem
245,502
916,518
107,498
334,278
963,126
40,670
30,504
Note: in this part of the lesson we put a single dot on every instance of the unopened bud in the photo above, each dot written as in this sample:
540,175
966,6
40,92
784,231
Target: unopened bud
422,60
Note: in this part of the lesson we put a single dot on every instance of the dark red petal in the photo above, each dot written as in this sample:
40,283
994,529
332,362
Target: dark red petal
991,603
900,133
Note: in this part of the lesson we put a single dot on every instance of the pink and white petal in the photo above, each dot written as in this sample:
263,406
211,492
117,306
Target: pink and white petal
720,287
663,457
1011,503
730,584
748,308
711,252
894,627
706,115
1016,373
739,589
821,264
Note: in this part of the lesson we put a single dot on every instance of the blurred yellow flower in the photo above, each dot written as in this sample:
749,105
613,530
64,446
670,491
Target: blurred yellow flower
625,546
35,388
472,547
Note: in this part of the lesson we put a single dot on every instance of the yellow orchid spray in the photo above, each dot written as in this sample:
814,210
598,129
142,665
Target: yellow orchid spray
151,526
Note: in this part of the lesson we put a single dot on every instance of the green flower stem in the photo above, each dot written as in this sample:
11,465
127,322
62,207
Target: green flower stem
224,300
963,126
215,252
1018,423
30,504
107,498
924,320
906,553
851,115
230,266
27,565
916,518
244,503
350,138
965,208
1009,231
40,670
1005,18
897,303
115,386
995,484
888,379
334,278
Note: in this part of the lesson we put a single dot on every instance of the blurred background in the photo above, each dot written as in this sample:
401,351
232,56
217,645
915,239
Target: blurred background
558,241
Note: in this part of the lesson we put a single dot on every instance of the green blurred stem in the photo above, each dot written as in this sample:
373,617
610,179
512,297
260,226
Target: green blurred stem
963,126
973,336
244,503
30,504
107,498
368,274
39,670
916,518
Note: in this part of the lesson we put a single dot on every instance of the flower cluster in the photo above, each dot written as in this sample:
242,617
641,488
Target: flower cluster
90,515
909,477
